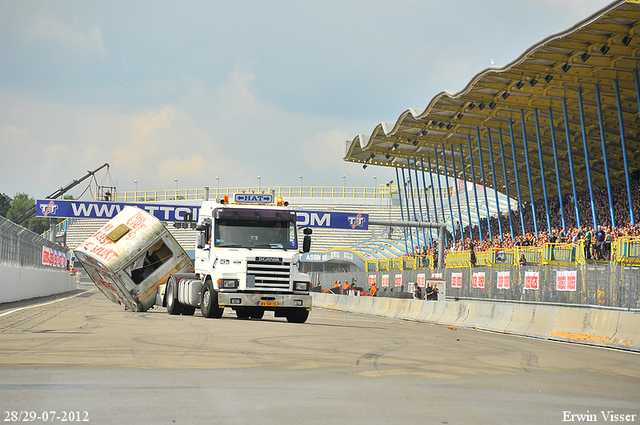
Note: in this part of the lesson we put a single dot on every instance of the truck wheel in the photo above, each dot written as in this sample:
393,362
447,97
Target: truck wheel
209,302
243,313
188,310
173,305
297,315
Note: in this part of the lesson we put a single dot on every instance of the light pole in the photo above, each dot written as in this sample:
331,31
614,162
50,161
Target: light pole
259,184
344,180
218,183
176,180
135,197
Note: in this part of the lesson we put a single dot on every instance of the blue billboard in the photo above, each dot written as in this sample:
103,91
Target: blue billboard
108,210
173,213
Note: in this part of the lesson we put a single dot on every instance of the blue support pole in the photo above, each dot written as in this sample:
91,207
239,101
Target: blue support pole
440,188
433,192
586,159
624,144
495,183
426,198
515,170
526,158
466,192
555,160
475,189
413,202
415,168
446,174
544,183
455,179
573,176
484,184
406,199
604,155
406,248
506,182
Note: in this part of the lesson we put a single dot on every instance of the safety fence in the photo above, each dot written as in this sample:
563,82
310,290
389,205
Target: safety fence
20,247
382,192
605,285
624,251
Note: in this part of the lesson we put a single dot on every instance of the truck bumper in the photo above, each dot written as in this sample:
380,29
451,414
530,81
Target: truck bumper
267,301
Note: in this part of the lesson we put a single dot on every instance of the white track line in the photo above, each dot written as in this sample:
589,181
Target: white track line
6,313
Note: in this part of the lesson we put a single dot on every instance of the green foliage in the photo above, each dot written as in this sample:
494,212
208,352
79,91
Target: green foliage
5,204
14,208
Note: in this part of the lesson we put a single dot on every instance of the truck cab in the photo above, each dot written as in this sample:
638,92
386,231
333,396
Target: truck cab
247,258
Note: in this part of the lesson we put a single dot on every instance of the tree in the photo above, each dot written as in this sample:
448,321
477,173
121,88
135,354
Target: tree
5,204
20,204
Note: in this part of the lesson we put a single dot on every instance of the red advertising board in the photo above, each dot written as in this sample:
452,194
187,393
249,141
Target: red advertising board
478,280
456,280
385,280
421,279
503,280
531,280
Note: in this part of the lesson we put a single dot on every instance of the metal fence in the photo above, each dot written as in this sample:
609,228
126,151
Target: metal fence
20,247
606,285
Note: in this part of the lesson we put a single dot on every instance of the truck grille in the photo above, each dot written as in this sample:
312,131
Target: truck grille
274,275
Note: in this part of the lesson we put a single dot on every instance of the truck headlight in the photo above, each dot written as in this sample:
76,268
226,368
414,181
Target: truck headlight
301,286
228,283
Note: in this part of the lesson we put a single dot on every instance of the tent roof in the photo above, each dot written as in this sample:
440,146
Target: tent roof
588,58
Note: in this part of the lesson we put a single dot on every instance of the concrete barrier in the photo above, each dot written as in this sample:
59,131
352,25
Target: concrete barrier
602,327
20,283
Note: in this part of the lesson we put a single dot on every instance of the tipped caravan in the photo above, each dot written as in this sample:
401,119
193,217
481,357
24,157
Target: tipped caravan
130,256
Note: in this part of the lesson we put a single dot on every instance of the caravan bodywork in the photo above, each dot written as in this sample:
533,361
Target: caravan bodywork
130,256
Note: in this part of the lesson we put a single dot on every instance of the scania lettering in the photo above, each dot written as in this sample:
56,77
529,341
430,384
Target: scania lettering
247,259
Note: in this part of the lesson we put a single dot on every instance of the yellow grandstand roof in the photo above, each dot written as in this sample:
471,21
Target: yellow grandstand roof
593,56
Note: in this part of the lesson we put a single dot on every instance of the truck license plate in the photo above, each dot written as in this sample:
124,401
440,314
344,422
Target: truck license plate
268,303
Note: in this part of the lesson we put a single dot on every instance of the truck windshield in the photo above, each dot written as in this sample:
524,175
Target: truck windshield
270,234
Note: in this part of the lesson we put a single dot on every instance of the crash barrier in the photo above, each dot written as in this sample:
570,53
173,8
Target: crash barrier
587,325
604,285
624,251
30,266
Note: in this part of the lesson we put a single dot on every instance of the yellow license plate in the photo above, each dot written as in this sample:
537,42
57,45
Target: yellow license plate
268,303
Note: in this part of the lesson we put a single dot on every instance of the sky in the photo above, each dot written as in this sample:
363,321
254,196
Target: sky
198,90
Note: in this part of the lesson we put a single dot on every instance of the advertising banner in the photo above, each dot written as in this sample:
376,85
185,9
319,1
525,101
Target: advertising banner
456,280
503,280
421,279
566,280
173,213
108,210
531,280
53,258
478,280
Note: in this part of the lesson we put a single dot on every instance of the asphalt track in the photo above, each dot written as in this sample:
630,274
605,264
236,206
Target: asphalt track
80,353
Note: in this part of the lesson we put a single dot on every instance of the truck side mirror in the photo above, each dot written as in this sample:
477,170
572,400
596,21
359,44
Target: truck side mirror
306,243
200,240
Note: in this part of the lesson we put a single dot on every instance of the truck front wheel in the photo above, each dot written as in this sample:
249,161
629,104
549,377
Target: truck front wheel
173,305
297,315
209,302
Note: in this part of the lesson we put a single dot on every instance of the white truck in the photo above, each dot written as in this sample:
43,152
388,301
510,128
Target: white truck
247,258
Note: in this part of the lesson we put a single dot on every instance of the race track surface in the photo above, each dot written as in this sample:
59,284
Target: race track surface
80,355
